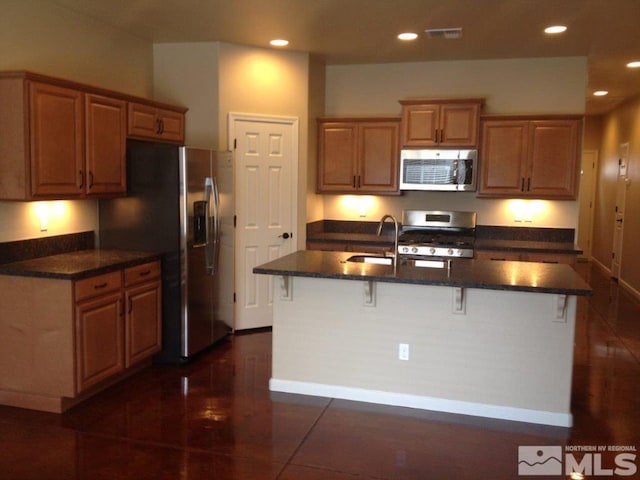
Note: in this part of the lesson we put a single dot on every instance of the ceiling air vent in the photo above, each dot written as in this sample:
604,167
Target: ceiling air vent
447,33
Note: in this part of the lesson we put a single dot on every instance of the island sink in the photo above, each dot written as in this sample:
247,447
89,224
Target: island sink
375,259
380,260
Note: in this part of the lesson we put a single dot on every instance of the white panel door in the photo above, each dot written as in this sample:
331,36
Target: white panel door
621,199
587,201
266,155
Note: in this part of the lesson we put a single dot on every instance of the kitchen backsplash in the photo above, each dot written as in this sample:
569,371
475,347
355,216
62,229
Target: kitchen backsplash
41,247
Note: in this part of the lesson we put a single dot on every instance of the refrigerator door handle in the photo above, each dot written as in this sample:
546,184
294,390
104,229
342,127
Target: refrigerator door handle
216,227
209,227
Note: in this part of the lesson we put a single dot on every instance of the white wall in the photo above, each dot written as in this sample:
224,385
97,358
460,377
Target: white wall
512,86
187,74
42,37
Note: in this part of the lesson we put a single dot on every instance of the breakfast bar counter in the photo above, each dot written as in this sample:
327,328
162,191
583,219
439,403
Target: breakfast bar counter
485,338
465,273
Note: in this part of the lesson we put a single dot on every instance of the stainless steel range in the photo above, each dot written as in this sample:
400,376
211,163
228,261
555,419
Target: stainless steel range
436,234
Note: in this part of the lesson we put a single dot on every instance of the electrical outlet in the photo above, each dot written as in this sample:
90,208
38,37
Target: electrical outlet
403,351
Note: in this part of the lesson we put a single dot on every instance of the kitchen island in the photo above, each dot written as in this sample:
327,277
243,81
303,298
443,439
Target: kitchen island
484,338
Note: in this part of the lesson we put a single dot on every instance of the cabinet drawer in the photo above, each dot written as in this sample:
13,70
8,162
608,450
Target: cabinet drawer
141,273
98,285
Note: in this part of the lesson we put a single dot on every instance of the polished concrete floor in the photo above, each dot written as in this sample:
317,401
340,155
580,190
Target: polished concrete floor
216,419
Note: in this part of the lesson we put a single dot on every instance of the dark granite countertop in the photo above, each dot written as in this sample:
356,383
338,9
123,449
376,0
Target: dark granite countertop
486,274
76,265
526,246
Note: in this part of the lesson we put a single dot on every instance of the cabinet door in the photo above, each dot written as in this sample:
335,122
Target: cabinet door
171,126
503,157
143,322
553,158
378,157
146,121
421,125
142,121
459,125
56,141
99,339
337,157
106,135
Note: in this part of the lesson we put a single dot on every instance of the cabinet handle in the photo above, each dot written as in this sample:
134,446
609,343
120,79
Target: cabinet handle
81,175
100,286
441,135
158,126
90,179
354,181
529,184
359,181
522,186
145,273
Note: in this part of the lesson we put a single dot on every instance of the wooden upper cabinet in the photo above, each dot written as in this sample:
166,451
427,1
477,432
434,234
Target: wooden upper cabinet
554,158
530,157
379,157
150,122
503,157
56,141
358,155
442,122
64,140
106,145
337,144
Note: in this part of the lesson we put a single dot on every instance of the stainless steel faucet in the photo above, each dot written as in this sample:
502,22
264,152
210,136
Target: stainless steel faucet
395,242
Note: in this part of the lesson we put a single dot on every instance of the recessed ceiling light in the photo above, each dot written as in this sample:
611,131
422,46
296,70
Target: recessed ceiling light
634,64
407,36
279,42
600,93
555,29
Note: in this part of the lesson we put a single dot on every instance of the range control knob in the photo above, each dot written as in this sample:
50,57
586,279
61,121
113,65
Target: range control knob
405,249
414,250
432,251
450,251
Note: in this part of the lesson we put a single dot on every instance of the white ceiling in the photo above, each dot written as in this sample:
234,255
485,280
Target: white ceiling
607,32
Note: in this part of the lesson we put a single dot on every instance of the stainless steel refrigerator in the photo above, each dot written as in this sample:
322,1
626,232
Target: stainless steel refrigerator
180,203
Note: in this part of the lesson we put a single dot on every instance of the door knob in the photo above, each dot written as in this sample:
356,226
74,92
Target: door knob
285,235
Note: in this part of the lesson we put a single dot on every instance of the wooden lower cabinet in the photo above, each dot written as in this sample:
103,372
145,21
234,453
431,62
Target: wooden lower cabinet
118,322
65,340
143,318
99,340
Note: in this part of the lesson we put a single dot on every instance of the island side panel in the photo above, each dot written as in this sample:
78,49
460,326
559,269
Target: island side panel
36,327
508,350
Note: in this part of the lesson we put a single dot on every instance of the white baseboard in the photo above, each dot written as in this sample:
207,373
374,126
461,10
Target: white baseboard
634,293
624,284
423,403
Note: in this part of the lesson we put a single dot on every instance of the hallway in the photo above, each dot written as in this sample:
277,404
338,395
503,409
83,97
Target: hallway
216,419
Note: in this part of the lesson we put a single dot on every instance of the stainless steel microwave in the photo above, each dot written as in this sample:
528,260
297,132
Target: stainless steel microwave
445,170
